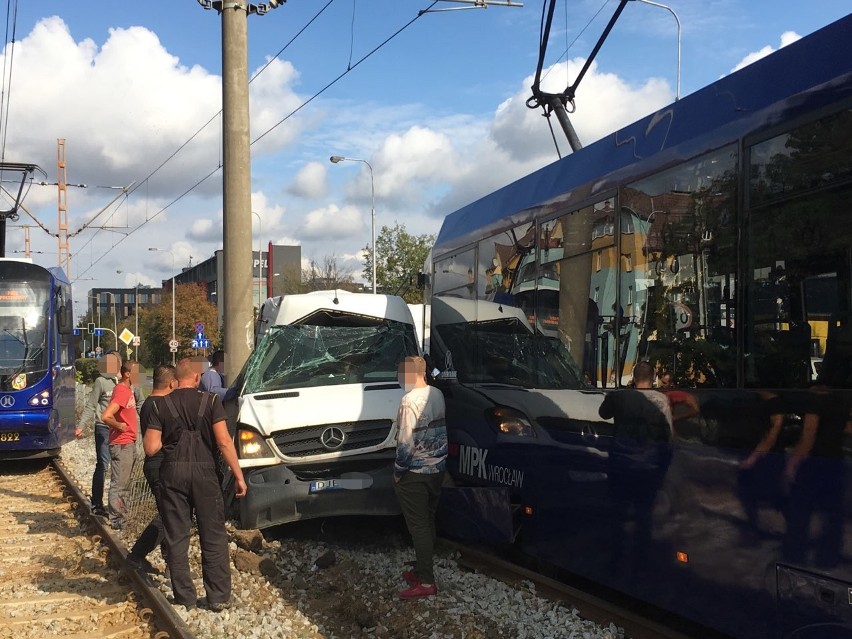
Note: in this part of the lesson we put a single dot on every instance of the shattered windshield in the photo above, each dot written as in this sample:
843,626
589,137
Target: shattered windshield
327,349
505,352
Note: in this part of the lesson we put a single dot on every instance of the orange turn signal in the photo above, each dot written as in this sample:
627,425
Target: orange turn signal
683,558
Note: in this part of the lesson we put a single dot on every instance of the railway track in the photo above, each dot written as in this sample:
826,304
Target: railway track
62,573
635,625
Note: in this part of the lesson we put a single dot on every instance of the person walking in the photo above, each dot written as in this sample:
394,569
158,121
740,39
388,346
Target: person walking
123,420
421,455
164,381
213,379
189,431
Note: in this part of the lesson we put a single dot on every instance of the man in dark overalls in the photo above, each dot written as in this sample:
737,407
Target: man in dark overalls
189,431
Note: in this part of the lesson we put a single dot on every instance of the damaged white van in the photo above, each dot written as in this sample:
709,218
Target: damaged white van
315,422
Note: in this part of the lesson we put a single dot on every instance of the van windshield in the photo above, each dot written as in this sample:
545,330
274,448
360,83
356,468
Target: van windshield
328,349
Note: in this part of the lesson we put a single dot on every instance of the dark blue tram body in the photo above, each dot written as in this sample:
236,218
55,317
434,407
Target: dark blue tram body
712,239
37,376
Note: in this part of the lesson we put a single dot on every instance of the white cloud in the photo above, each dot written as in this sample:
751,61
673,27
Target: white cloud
206,230
310,181
788,37
332,222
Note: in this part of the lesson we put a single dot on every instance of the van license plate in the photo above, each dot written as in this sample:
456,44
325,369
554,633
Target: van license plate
324,485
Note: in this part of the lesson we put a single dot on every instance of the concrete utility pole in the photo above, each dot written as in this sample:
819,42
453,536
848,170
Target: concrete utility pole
236,189
236,179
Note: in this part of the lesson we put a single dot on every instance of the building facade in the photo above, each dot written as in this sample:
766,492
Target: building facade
273,273
124,302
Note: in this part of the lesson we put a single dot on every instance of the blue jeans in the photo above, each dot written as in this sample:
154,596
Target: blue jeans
101,464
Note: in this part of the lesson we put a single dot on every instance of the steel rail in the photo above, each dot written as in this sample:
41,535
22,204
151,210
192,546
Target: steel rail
162,613
588,606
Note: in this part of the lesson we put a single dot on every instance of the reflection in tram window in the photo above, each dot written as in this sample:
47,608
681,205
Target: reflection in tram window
679,262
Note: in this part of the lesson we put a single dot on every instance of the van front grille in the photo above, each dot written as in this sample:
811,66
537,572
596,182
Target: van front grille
308,441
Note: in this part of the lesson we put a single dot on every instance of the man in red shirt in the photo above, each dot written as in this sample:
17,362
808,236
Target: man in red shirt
123,421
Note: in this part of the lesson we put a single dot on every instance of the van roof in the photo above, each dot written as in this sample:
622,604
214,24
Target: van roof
292,308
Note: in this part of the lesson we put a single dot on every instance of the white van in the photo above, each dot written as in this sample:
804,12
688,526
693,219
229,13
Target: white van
315,426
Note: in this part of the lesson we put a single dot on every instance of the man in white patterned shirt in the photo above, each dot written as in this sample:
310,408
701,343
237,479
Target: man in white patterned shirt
421,456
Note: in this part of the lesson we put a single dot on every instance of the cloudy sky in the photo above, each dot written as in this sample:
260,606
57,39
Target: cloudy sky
134,89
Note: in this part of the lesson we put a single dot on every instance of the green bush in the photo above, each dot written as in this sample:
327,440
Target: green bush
87,369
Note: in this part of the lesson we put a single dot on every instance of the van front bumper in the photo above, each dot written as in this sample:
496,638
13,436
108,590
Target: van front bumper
276,495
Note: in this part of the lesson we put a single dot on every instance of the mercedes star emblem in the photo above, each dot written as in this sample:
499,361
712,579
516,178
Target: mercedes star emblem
332,438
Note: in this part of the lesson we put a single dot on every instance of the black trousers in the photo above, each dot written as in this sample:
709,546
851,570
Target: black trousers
188,487
418,495
153,535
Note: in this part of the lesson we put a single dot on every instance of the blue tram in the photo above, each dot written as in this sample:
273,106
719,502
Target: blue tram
37,376
712,240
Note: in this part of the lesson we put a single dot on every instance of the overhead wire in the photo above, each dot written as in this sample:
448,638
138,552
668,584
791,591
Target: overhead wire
146,179
342,75
349,69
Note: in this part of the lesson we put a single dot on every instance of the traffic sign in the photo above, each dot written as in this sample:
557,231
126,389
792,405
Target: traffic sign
200,343
199,327
126,336
137,340
173,349
99,332
174,344
76,331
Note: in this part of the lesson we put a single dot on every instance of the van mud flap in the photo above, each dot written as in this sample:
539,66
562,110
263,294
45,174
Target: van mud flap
812,606
475,514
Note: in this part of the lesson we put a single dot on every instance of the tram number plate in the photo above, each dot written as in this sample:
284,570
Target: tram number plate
10,437
324,485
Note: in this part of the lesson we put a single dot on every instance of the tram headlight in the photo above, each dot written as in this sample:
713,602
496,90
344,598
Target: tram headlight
41,399
250,445
509,421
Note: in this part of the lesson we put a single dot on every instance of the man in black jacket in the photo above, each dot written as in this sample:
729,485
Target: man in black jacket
164,382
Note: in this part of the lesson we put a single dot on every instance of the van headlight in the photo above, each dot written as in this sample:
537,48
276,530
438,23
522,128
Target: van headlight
250,445
509,421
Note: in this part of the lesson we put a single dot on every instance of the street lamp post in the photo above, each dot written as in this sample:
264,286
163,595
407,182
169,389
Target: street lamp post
114,317
135,315
670,10
173,291
335,159
259,258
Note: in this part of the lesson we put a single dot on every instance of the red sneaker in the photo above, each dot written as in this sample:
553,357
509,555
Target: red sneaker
419,590
411,577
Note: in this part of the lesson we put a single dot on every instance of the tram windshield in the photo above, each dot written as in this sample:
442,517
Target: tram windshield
24,308
328,349
505,352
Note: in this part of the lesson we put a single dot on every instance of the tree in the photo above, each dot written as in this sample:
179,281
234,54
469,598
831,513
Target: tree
399,259
326,275
155,325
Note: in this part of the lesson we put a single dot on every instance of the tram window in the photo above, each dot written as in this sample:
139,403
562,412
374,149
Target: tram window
454,272
576,305
799,292
812,156
679,262
507,266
